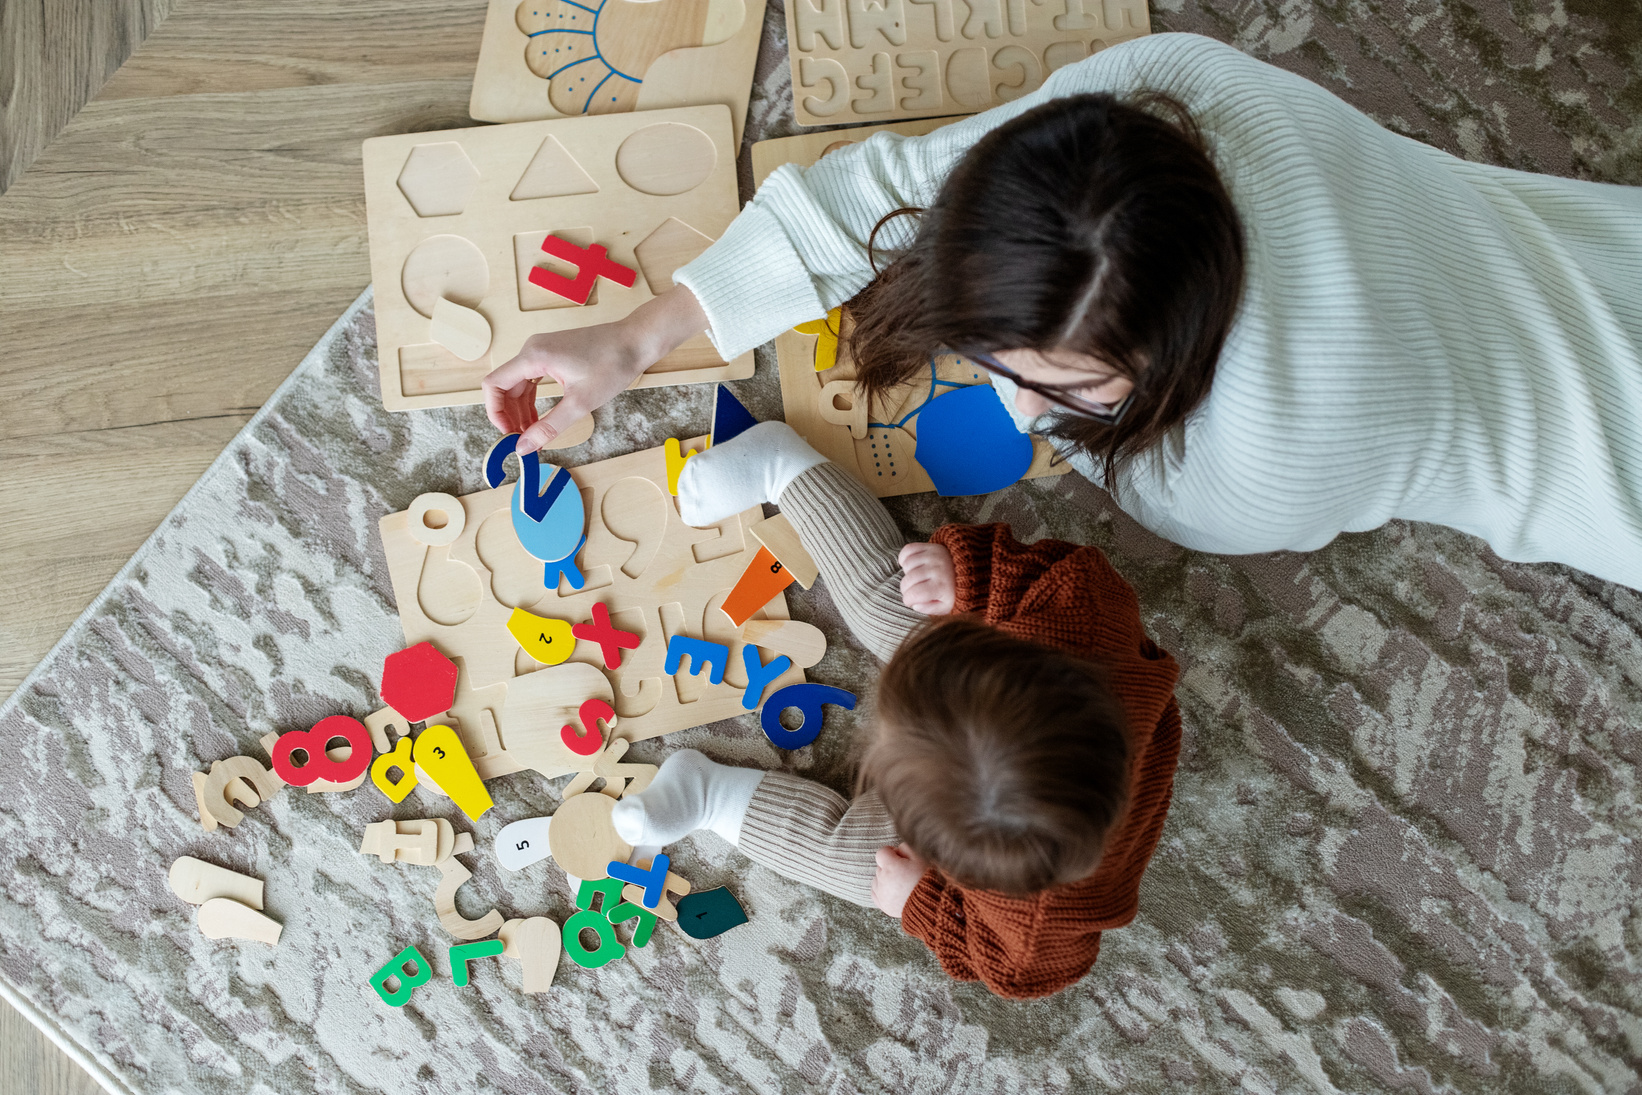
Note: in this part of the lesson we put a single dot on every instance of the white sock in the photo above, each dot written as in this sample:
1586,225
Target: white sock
752,467
690,792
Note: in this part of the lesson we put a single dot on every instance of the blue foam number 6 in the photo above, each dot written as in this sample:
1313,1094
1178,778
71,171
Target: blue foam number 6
807,698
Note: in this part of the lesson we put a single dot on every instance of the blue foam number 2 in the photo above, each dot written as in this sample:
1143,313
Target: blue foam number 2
808,698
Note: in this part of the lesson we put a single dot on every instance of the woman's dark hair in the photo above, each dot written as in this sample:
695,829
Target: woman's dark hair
1088,224
1004,763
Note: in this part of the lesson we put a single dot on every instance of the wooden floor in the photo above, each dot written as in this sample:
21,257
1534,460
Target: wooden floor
165,262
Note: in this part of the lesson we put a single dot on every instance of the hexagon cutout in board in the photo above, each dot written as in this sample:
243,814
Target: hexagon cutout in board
438,179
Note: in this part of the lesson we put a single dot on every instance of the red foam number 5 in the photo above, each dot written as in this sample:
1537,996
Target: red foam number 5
589,741
313,744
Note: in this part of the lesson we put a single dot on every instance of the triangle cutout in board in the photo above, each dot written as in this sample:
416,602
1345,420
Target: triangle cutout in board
553,173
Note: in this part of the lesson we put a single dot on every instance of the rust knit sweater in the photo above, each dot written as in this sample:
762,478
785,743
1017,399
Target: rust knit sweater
1068,597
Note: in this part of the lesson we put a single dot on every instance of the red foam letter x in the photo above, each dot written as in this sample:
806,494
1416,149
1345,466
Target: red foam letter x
592,262
611,640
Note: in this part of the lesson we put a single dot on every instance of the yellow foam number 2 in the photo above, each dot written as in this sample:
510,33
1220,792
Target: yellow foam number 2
547,640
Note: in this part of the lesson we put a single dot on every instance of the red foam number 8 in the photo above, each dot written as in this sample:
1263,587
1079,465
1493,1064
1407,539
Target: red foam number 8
313,743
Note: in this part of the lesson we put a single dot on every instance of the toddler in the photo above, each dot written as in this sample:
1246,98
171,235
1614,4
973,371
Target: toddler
1026,733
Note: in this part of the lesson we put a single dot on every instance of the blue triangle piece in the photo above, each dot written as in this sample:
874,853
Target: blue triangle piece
729,416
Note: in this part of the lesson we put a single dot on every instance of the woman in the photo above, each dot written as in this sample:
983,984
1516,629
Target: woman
1318,327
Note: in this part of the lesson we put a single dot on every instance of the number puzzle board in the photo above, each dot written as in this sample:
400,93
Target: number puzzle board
873,60
822,406
658,576
461,214
523,48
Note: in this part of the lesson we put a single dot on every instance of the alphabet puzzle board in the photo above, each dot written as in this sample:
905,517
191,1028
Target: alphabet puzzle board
873,60
658,577
822,406
527,71
461,214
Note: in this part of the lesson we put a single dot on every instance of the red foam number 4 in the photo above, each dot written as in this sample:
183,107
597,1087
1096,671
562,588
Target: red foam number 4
313,743
611,640
591,263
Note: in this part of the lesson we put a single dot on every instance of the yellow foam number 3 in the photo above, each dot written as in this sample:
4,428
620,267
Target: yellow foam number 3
547,640
439,753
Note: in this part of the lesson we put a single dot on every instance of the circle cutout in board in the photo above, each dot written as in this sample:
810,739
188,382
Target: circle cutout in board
445,266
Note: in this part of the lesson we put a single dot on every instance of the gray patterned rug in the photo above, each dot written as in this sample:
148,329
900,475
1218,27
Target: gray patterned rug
1402,855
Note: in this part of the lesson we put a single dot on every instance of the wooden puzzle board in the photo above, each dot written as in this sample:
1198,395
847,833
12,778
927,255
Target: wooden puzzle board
654,188
658,576
814,403
505,89
873,60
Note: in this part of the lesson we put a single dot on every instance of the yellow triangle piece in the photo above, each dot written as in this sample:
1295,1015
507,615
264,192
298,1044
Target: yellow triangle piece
547,640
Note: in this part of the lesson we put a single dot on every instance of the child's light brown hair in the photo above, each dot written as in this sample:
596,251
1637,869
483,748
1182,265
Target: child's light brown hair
1005,763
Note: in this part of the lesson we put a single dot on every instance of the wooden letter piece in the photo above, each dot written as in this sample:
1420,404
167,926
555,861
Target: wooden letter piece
463,953
804,643
444,899
399,966
760,675
412,841
237,779
664,908
703,654
380,722
588,741
651,879
535,944
197,882
620,779
778,534
676,459
224,918
610,639
400,758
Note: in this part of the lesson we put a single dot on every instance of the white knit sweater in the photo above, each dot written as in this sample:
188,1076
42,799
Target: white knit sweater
1420,337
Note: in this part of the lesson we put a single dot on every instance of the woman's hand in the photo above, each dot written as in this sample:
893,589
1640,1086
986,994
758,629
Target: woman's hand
591,363
930,582
899,870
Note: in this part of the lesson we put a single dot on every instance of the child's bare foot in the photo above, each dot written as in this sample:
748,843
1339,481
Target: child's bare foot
930,582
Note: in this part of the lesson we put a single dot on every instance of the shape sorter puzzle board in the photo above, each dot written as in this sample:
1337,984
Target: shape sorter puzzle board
658,577
557,58
873,60
822,406
461,214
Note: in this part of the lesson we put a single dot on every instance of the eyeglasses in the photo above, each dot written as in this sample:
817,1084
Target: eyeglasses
1065,398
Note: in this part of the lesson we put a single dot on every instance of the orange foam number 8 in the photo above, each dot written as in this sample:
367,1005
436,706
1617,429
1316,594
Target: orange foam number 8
313,742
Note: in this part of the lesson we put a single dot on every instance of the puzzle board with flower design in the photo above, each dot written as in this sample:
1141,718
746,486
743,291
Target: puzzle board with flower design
657,576
878,446
460,216
555,58
874,60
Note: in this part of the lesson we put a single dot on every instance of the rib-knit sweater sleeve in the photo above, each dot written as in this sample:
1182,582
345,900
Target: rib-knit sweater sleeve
1071,598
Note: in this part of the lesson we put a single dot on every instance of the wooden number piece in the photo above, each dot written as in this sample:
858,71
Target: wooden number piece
582,838
412,971
663,908
762,580
463,953
440,753
237,779
807,699
591,263
803,643
777,534
536,945
197,882
225,918
340,769
453,875
706,913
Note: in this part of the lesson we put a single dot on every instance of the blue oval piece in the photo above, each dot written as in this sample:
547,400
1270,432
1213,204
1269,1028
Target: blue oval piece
969,445
549,522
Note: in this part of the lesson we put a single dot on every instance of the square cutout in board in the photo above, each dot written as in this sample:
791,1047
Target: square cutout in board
877,60
877,444
451,212
564,58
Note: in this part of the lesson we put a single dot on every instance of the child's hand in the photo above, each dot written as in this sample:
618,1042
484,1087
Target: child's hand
930,584
899,870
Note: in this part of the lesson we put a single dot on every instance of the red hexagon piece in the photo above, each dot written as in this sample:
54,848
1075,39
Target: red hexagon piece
419,682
